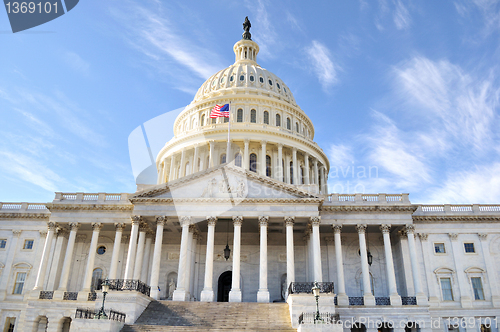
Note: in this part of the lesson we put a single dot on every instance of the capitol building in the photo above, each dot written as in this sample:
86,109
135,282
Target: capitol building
248,220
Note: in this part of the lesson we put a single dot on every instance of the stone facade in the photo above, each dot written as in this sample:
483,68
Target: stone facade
391,261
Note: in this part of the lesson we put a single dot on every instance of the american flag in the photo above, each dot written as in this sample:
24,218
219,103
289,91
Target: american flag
219,111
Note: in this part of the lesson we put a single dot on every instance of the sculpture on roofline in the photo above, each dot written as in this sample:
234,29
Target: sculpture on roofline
246,26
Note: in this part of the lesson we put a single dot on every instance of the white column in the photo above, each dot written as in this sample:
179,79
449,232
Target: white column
317,270
172,168
490,268
427,251
421,298
147,253
180,292
161,168
155,270
140,252
389,263
290,253
306,168
40,278
116,250
195,159
295,167
342,298
280,162
189,262
96,228
183,161
263,158
246,154
235,293
207,294
457,252
212,154
316,173
263,293
132,246
322,174
68,257
57,258
365,268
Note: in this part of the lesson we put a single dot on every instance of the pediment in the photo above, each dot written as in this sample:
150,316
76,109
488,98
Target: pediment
225,182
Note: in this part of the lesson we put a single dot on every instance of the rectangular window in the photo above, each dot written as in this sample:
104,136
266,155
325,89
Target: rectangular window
439,248
485,328
477,285
28,244
19,285
469,248
10,324
446,289
3,243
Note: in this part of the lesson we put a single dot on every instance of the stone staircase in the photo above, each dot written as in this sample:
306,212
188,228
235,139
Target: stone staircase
212,316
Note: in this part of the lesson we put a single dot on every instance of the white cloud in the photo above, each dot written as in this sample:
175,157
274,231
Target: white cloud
77,63
323,64
153,34
479,185
402,18
340,155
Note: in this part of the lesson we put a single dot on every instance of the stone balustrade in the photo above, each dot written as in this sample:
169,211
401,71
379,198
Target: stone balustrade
458,209
347,199
23,207
91,197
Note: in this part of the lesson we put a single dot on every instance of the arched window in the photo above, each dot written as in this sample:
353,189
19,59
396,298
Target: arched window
253,162
193,124
301,175
223,158
202,122
187,169
226,119
297,127
291,172
253,116
239,115
268,166
278,120
237,159
266,117
96,275
288,124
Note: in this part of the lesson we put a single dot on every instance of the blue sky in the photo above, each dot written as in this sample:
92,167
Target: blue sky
408,89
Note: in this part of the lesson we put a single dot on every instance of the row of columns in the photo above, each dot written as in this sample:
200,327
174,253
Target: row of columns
134,268
279,172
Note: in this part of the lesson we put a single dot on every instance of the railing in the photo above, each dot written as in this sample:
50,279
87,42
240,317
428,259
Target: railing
368,198
20,207
462,208
46,295
306,287
91,314
409,300
356,300
122,284
432,208
84,197
310,318
382,301
489,208
70,296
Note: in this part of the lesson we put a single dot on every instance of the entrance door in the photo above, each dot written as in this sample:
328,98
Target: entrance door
224,286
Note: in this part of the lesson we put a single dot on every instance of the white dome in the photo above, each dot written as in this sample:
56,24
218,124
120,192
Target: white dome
246,74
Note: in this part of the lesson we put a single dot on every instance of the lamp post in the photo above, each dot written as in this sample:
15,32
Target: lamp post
315,291
105,289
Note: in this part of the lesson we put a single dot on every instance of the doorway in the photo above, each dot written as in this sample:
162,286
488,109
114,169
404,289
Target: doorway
224,286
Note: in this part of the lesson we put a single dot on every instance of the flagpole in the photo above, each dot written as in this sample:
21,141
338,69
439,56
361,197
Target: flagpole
228,150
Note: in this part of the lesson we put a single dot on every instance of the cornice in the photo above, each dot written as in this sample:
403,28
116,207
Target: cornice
92,207
24,215
406,209
227,200
457,218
